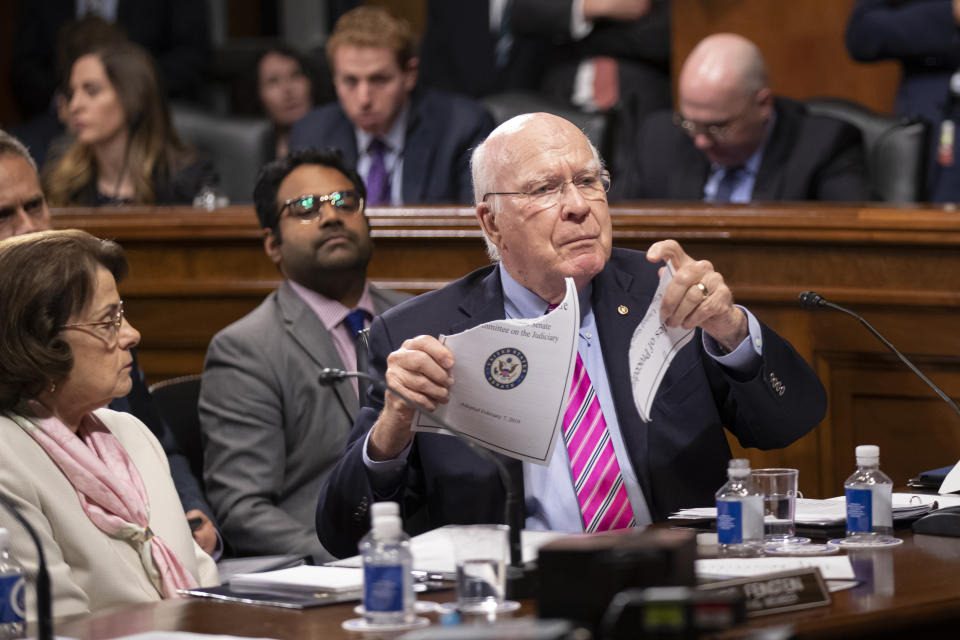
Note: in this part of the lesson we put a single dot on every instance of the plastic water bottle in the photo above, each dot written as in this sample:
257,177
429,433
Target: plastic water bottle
11,592
869,494
739,513
388,597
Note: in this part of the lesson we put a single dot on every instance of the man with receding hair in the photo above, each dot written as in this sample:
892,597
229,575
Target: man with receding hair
540,191
732,140
22,206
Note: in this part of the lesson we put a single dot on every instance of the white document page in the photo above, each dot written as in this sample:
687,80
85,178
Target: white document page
951,483
653,348
433,551
831,567
511,380
298,580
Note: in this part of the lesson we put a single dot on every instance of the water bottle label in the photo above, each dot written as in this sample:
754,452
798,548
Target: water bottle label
859,510
11,598
383,588
729,522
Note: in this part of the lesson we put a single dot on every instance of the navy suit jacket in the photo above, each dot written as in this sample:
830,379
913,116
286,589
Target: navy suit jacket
922,35
442,131
680,457
807,157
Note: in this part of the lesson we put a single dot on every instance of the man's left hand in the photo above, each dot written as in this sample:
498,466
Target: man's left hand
206,533
698,297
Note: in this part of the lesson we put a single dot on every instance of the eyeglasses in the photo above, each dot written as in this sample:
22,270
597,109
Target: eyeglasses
107,330
307,208
592,185
713,130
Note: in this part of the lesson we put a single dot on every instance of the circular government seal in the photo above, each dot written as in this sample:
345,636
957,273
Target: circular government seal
505,368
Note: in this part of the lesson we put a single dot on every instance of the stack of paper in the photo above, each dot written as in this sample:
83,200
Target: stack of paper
831,511
302,580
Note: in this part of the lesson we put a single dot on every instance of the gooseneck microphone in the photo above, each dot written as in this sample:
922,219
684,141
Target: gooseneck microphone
329,376
812,301
44,615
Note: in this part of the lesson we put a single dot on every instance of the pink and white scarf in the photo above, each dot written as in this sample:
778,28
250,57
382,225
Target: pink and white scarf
110,490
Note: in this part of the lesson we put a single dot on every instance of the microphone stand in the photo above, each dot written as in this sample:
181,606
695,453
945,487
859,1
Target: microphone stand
813,301
519,579
44,615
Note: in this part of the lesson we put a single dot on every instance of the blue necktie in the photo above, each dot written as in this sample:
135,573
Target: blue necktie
378,180
356,322
729,182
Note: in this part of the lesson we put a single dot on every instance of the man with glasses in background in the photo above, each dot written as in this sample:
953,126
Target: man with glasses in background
731,140
271,433
540,190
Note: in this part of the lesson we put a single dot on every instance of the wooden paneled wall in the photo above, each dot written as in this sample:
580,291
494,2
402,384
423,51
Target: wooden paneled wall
194,272
801,41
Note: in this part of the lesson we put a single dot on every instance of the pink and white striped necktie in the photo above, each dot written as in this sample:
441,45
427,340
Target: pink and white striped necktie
596,474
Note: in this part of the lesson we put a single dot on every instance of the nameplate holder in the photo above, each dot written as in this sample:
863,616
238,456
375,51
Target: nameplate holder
777,592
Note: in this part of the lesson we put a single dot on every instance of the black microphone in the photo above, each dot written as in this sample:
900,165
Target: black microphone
812,301
44,615
329,376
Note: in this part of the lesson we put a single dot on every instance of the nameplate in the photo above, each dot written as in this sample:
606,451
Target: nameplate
776,592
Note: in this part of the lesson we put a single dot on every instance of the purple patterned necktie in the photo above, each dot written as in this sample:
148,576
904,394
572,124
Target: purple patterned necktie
378,180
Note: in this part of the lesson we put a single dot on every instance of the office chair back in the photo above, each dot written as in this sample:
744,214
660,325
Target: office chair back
238,147
176,400
896,149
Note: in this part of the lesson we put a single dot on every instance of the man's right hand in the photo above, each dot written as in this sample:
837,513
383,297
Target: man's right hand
619,10
420,370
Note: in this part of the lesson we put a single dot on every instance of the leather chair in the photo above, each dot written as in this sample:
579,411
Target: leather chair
176,400
896,149
238,147
503,106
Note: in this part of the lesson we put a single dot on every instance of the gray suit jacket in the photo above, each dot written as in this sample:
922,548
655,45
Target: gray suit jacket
270,432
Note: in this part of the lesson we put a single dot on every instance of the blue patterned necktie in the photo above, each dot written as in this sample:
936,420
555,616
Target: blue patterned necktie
378,180
356,321
729,182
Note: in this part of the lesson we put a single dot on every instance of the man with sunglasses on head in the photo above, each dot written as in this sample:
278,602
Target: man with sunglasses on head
540,190
731,140
271,433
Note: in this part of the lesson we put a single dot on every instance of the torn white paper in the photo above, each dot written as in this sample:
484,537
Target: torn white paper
653,348
511,380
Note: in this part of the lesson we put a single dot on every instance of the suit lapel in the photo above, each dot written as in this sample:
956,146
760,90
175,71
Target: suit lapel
692,175
344,137
418,147
616,291
306,329
776,155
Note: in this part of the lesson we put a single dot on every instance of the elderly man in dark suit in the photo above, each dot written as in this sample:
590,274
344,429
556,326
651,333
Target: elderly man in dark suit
541,202
410,146
735,142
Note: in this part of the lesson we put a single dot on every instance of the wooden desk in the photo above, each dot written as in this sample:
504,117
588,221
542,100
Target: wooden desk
914,591
193,272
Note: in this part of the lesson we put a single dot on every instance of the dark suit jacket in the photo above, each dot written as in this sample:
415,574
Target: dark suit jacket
175,32
807,157
680,457
458,53
442,131
140,403
922,36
